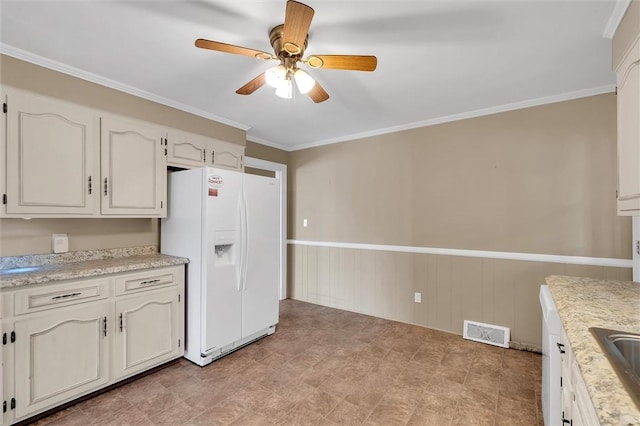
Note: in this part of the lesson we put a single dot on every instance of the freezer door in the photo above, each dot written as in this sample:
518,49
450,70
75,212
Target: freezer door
222,296
262,254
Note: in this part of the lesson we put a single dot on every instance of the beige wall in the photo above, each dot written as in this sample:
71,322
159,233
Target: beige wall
18,236
537,180
626,33
264,152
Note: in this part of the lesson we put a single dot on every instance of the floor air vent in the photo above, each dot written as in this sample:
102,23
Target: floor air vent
486,333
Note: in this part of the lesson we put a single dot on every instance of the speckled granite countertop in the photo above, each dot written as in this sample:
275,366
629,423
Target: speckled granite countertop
18,271
588,302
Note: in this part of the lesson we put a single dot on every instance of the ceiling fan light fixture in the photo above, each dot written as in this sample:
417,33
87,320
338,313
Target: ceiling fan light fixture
304,81
285,89
275,76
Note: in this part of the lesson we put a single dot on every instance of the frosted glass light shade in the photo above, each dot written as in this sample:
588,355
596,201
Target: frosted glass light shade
285,89
304,81
274,76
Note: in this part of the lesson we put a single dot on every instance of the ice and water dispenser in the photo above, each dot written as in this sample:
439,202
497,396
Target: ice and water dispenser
225,248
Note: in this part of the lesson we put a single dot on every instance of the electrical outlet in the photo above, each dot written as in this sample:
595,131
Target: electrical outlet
304,223
59,243
417,297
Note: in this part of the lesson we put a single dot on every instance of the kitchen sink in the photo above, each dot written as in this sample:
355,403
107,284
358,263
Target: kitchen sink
623,351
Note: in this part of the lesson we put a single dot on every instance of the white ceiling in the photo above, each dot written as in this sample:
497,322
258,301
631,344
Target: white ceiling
437,60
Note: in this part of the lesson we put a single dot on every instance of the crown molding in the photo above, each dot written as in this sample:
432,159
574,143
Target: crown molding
465,115
112,84
616,17
267,143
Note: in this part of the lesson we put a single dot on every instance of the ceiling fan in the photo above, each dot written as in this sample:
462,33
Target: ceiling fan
289,41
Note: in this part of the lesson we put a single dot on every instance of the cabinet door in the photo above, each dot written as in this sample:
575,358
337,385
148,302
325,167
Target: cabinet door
149,331
52,158
134,176
3,375
3,151
226,155
60,356
628,77
565,381
583,412
187,149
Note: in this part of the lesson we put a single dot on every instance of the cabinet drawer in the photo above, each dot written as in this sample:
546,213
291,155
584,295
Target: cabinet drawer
147,280
54,296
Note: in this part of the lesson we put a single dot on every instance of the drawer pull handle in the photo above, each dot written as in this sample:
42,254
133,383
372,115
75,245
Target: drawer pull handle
150,282
64,296
561,348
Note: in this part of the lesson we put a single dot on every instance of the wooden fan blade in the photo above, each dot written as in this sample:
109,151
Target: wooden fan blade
297,20
230,48
343,62
318,94
252,86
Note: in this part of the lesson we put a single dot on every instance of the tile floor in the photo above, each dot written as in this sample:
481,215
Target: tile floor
329,367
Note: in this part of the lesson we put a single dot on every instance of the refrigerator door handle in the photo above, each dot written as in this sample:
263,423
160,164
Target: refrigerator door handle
245,242
240,244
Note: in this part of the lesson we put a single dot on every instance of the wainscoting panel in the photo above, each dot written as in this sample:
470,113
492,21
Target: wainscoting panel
454,288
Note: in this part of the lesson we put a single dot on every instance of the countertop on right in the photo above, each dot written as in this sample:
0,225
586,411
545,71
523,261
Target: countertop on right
589,302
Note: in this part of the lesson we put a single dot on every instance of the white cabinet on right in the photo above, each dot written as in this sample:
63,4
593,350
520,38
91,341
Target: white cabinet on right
577,408
628,80
582,411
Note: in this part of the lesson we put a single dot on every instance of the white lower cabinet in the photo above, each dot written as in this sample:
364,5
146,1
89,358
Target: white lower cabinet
148,332
2,375
60,355
71,338
577,408
583,412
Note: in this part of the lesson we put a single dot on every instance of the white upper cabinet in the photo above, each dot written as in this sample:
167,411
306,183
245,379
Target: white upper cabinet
133,165
187,150
51,157
227,155
66,160
628,79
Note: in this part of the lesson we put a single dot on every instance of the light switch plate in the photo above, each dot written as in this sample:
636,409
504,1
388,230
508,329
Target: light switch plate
59,243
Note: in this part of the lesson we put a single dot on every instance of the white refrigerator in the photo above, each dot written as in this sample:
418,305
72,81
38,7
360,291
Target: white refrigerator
227,224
